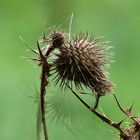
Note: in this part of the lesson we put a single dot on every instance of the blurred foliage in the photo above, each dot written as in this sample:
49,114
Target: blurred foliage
118,21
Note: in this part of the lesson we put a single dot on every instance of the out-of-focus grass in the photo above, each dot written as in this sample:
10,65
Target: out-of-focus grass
118,20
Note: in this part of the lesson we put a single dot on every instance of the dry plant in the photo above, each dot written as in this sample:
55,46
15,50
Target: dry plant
80,60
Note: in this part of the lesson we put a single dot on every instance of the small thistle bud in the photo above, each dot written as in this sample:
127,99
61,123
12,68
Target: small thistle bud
82,61
57,37
56,40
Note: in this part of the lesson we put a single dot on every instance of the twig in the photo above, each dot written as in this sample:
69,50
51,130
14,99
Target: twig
127,112
120,107
100,116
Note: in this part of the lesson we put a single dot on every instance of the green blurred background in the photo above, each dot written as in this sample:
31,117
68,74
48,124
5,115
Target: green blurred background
117,20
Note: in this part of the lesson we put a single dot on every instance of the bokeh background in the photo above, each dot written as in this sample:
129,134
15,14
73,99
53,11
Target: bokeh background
117,20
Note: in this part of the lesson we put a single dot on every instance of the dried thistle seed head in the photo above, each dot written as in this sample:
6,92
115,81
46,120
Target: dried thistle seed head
57,37
56,40
82,61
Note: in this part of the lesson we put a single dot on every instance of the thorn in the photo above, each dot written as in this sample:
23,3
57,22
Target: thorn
40,52
119,124
34,59
29,58
130,109
96,101
85,93
27,45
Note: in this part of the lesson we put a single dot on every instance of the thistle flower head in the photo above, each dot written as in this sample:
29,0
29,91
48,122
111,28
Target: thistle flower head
57,37
56,40
82,61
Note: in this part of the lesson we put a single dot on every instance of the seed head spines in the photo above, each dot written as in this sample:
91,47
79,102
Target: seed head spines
82,61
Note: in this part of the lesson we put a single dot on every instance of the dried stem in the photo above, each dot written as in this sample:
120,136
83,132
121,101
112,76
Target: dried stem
44,82
127,112
100,116
130,133
38,121
120,107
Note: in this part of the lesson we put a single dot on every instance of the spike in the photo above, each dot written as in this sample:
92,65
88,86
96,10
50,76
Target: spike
27,45
85,93
119,123
130,109
40,52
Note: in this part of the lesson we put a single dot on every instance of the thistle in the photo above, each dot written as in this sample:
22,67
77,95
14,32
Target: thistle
56,40
82,61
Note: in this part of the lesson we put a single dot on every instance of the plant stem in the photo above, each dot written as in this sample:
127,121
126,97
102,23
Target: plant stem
42,102
38,122
100,116
44,82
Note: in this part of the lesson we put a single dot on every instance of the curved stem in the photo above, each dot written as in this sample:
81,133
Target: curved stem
100,116
126,112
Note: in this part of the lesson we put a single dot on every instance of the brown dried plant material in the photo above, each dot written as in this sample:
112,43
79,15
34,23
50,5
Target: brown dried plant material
82,61
55,40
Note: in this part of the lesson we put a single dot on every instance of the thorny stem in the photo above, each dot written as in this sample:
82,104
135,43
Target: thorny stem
38,122
126,112
44,82
42,101
100,116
